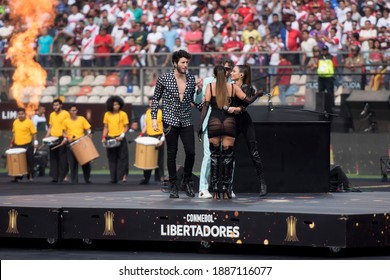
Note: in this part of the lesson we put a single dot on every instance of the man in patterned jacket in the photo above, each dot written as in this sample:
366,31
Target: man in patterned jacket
176,89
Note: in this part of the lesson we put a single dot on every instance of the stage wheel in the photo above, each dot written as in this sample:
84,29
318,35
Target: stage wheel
87,241
205,244
51,241
335,250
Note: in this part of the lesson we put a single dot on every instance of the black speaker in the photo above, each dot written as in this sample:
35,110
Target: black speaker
370,111
295,156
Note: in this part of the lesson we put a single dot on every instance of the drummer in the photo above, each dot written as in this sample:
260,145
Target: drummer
58,156
24,135
116,123
74,128
147,130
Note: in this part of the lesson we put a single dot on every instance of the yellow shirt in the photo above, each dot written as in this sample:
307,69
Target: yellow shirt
75,129
115,123
253,33
148,121
23,131
56,122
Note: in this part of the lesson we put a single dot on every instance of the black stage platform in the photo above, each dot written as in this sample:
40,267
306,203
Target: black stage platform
129,211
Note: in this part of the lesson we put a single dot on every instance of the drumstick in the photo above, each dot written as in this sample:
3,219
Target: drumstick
55,147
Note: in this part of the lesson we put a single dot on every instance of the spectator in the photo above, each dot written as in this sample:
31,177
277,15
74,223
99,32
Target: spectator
385,20
250,32
307,45
162,56
62,34
179,45
170,36
276,26
106,25
128,50
367,32
87,51
354,66
126,14
283,77
140,35
368,15
74,17
136,10
291,38
74,60
103,44
193,40
92,27
318,34
275,46
375,60
45,49
233,46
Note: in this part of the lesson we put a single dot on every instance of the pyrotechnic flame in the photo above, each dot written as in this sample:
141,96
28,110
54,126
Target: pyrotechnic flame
29,77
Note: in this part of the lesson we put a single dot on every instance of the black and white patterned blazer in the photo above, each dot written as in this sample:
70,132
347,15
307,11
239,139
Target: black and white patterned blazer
175,113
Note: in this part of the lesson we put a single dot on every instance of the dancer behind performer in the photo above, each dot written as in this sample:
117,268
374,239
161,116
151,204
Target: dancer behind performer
205,169
241,76
23,134
58,156
147,130
222,129
116,123
75,128
176,88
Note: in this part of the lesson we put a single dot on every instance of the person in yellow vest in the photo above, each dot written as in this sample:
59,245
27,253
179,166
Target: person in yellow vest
24,135
74,128
58,157
325,71
116,123
147,130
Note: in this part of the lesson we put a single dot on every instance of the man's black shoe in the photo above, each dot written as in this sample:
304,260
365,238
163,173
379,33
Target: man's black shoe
188,187
174,193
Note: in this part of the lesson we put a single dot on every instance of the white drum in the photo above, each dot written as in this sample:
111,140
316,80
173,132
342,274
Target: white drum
146,153
16,161
51,141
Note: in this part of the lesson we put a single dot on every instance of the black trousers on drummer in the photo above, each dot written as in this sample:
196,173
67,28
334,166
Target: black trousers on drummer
186,134
158,172
59,163
118,161
30,158
74,168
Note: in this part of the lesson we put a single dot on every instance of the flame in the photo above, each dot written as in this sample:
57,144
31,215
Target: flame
29,78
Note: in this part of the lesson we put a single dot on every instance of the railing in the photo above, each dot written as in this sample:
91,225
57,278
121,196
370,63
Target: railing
141,79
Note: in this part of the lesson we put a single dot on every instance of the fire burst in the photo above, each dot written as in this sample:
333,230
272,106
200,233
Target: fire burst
29,77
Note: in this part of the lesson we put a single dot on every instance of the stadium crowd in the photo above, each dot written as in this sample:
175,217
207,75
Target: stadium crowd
122,33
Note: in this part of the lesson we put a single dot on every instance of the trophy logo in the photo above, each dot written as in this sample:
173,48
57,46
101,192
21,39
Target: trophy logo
13,222
109,224
291,235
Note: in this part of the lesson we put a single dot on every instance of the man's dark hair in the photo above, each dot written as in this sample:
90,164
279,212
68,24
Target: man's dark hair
20,109
179,54
110,103
57,100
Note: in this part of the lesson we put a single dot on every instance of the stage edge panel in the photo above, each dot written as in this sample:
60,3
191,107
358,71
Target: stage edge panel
266,228
27,222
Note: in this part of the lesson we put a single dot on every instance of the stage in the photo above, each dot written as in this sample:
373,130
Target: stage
102,211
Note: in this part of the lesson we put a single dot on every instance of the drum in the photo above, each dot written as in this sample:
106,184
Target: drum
111,143
16,161
51,141
84,150
146,153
